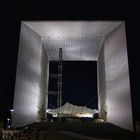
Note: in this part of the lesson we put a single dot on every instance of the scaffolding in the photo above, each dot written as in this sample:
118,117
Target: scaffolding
58,76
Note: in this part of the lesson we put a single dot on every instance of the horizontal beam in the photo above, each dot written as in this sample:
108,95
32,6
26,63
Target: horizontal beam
52,92
54,75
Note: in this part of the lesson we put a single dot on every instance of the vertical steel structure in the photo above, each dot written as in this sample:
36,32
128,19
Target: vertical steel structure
58,93
59,99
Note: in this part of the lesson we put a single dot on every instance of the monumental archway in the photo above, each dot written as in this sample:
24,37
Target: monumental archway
101,41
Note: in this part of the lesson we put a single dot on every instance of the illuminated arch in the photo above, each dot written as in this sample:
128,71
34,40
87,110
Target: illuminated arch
101,41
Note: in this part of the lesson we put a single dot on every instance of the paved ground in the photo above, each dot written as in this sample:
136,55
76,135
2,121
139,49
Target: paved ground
63,135
66,135
60,136
79,136
54,135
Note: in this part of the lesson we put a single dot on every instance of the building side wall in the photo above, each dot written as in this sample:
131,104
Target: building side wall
43,99
27,88
118,96
101,85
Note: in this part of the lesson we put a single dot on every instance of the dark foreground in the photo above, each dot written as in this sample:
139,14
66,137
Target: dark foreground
74,131
62,135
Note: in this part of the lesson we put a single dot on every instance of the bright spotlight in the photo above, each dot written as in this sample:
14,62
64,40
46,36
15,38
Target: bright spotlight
12,110
8,119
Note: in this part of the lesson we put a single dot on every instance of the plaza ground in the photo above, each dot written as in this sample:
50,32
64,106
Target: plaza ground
76,131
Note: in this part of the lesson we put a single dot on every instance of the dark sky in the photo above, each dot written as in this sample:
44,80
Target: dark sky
79,83
12,13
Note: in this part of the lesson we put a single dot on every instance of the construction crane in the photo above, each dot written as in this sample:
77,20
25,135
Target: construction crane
59,99
58,76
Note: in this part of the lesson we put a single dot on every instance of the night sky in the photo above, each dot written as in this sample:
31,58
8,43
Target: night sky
79,83
12,13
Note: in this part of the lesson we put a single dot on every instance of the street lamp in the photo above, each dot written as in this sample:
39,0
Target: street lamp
8,122
11,110
8,119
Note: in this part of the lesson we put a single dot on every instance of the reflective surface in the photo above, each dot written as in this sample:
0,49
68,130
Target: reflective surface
39,43
27,90
118,97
